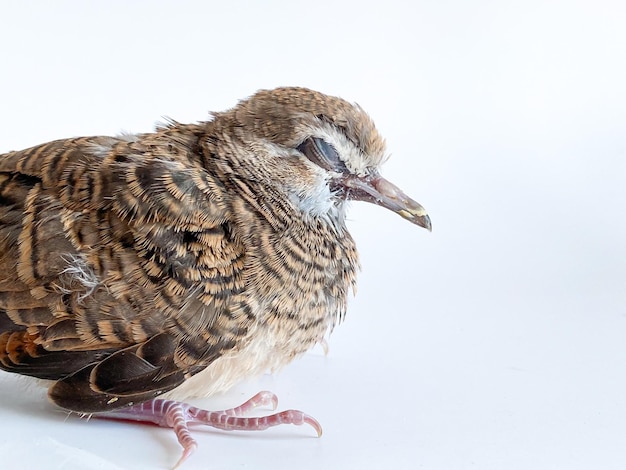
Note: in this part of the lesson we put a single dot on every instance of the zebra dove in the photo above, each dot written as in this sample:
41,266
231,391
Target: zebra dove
143,269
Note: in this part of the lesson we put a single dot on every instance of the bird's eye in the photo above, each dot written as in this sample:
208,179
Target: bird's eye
322,154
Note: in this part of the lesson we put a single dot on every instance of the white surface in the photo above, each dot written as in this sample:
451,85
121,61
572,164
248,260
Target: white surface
497,341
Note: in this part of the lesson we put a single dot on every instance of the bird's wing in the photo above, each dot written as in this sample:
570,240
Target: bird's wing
121,273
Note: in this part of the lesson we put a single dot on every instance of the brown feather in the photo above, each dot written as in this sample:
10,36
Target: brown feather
130,264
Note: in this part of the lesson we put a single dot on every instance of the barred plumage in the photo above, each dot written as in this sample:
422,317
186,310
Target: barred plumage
186,259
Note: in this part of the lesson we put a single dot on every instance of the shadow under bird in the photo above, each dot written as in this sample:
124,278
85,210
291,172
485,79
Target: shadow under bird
139,270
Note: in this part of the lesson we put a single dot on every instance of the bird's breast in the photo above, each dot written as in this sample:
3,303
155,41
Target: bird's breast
302,280
297,289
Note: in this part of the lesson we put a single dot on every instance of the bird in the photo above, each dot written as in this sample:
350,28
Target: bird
139,270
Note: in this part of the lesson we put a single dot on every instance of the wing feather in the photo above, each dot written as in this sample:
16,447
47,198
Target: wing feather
121,273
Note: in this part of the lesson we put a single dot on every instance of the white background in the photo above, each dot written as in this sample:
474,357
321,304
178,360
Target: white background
497,341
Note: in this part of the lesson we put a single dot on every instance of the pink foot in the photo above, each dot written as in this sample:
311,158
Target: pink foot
178,416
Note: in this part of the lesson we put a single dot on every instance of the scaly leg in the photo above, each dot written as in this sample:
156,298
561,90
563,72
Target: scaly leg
178,416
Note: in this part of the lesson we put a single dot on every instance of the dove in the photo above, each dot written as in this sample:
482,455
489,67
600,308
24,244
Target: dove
140,270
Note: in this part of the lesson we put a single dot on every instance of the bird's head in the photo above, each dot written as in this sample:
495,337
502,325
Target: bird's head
321,150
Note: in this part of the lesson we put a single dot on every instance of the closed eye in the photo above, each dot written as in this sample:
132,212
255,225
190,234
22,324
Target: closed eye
322,154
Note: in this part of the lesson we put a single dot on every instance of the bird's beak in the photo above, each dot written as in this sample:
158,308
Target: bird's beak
376,189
